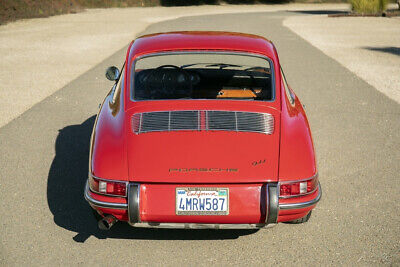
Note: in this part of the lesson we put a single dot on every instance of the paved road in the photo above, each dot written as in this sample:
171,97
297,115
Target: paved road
58,53
43,167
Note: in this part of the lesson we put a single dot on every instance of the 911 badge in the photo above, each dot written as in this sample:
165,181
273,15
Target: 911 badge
258,162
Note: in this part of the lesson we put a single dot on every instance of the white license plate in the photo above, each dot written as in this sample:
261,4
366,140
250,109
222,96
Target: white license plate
202,201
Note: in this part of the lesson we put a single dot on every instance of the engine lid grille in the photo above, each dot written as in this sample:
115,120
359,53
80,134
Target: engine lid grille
202,120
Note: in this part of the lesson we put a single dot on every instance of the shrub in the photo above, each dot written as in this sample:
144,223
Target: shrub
368,6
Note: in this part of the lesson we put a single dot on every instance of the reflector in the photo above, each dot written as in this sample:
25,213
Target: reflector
303,187
102,187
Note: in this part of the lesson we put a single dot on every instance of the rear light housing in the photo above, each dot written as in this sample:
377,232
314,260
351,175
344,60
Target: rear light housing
298,188
107,187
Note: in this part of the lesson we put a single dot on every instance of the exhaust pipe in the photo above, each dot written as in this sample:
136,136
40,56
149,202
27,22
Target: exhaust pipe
107,222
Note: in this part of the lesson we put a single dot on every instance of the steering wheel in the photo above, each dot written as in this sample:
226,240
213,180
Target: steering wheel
167,80
168,66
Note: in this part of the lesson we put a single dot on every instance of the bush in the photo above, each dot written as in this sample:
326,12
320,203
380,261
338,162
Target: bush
368,6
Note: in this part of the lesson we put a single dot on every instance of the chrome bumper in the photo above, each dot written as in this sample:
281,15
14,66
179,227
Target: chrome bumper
201,225
122,206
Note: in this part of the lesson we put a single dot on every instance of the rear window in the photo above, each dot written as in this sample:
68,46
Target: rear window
204,75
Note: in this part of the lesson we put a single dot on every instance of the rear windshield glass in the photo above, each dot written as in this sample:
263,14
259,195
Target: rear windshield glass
202,76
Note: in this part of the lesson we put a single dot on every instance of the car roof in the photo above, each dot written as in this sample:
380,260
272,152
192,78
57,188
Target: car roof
202,40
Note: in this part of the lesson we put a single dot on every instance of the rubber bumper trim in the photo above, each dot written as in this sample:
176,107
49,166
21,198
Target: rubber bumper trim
302,205
273,203
102,204
134,203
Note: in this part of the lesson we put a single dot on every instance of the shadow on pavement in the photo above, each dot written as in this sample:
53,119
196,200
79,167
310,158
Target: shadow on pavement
388,49
188,2
219,2
66,180
320,12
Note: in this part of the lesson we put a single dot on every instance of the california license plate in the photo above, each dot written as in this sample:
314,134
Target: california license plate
202,201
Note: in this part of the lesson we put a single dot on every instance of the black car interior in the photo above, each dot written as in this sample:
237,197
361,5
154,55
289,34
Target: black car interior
173,82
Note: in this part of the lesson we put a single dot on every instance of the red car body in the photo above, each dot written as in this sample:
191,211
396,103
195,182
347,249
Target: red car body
262,172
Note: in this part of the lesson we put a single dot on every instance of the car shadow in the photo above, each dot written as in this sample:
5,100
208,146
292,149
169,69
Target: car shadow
66,180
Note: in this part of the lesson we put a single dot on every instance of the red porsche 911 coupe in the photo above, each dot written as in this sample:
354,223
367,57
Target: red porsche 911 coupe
201,130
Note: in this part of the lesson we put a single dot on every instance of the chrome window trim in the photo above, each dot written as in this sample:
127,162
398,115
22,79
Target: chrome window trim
118,87
288,92
109,180
102,204
222,52
302,205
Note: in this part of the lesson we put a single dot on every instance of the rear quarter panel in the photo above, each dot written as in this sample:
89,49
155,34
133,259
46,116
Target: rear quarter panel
108,151
297,156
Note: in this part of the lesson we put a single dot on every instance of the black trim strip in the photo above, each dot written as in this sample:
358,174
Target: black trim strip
273,203
133,203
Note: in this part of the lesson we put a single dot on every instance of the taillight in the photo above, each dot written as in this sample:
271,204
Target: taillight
107,187
293,189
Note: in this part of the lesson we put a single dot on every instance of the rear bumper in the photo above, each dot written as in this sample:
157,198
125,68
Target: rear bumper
202,225
275,211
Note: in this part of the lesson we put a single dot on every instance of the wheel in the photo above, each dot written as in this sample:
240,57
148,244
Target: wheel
301,220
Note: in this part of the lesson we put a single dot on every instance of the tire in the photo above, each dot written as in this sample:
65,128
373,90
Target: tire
301,220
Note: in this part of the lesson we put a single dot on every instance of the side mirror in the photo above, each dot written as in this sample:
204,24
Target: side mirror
112,73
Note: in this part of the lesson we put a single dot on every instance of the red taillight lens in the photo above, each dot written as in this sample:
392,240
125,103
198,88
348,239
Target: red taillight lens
290,189
115,188
107,187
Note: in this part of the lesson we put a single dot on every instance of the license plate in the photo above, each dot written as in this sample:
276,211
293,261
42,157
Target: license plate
202,201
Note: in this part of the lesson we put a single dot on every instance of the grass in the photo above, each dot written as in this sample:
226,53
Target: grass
11,10
368,6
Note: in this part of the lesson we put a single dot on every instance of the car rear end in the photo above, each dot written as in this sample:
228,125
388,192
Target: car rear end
221,171
228,205
202,146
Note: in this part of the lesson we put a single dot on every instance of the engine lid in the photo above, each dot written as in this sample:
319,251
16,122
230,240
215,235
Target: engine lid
203,146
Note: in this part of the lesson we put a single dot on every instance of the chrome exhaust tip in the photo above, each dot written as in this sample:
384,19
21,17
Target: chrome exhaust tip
107,222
